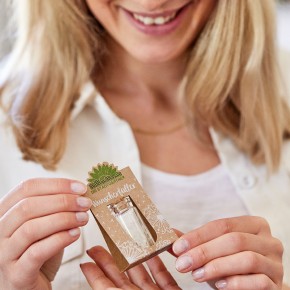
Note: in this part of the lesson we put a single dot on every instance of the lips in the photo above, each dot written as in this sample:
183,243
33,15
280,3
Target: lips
157,23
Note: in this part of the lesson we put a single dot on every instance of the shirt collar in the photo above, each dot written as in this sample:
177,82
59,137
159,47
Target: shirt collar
87,96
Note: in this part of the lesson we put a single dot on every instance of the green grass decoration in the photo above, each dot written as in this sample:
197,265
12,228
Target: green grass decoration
103,175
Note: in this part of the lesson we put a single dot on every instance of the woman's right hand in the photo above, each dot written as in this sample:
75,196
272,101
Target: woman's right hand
103,274
38,219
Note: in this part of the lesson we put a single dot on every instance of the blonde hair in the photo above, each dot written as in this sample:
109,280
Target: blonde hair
232,79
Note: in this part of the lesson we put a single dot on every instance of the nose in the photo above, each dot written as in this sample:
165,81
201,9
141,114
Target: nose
152,5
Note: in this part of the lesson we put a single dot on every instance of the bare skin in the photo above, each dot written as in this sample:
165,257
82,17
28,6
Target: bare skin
104,274
155,106
38,219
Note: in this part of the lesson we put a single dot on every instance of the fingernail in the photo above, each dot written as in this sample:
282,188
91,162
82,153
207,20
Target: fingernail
78,187
198,274
74,232
180,246
88,252
84,202
183,263
82,216
222,284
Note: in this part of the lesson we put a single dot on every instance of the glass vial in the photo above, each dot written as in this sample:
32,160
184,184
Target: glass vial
130,220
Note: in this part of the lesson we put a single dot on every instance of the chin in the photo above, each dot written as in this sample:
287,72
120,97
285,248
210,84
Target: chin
154,56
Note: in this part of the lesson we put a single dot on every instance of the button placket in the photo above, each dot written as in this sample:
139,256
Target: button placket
248,181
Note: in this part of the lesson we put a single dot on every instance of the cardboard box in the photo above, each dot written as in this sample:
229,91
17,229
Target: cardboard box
132,226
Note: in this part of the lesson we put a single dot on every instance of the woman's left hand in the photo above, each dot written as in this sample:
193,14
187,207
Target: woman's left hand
238,253
104,274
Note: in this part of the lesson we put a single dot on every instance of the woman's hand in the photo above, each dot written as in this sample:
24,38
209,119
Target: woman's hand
104,274
38,219
239,253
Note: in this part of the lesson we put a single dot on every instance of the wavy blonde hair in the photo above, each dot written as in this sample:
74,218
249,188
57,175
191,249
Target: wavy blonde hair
232,82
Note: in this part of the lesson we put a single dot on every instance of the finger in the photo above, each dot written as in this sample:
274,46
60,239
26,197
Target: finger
140,277
38,253
161,275
38,187
96,277
227,245
240,264
179,234
214,229
247,282
107,264
38,206
40,228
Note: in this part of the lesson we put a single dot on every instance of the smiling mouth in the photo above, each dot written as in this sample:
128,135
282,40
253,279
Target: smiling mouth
158,19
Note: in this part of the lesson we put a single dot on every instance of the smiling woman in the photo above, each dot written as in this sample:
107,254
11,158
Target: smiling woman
189,95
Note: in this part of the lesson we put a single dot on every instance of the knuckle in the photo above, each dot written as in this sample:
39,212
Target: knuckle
264,283
235,283
224,225
34,255
253,260
25,186
124,282
280,274
201,254
264,225
27,232
144,283
169,283
238,241
214,269
197,237
64,201
24,207
278,247
61,184
68,219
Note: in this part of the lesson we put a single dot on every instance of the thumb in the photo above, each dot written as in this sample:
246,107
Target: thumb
179,234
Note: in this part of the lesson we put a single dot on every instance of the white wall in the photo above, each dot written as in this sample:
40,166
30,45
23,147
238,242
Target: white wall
284,26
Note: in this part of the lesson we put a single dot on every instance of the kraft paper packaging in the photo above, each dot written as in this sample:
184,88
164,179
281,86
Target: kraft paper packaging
132,226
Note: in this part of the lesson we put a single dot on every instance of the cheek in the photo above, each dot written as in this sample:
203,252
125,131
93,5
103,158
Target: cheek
100,9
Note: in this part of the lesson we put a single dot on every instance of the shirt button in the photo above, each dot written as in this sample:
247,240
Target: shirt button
248,181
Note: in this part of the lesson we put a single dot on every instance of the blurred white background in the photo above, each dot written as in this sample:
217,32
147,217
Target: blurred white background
283,12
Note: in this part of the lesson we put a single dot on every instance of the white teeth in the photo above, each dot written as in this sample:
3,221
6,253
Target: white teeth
147,21
154,21
159,20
